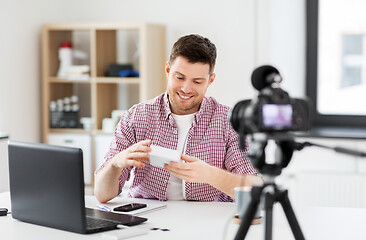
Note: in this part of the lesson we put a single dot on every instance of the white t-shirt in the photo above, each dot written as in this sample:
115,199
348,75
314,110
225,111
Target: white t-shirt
175,189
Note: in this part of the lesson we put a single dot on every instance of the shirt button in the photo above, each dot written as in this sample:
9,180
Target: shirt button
166,181
175,131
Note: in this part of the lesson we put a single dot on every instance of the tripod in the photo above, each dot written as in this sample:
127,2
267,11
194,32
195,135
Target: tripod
285,147
270,198
284,151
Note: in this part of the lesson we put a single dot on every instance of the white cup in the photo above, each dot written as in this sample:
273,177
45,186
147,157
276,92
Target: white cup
87,123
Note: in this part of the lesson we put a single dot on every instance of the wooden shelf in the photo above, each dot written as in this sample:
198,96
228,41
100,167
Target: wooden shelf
130,80
104,44
63,80
97,26
96,132
133,80
69,130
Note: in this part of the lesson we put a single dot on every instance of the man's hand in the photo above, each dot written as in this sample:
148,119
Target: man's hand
198,171
135,155
193,170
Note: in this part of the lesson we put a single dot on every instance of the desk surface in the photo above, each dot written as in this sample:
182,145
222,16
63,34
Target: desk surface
206,220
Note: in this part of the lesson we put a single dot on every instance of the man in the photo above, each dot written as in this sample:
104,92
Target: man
185,120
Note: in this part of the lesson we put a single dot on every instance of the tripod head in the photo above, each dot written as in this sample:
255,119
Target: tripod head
285,146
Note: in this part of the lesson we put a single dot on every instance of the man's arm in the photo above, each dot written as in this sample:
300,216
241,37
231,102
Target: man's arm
107,182
195,170
107,179
226,181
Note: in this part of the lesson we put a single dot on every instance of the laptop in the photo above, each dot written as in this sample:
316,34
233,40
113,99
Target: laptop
47,188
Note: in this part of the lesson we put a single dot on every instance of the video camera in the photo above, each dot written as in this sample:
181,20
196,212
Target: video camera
273,110
270,117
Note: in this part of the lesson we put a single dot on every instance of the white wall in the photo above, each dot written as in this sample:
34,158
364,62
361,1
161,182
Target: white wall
244,35
281,41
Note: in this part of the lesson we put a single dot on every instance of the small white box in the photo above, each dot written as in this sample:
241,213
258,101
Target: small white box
108,125
160,156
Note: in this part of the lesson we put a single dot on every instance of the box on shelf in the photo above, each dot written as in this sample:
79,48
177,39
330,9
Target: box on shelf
115,69
64,119
64,112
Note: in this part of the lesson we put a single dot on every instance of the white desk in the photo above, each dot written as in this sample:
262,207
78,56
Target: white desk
207,220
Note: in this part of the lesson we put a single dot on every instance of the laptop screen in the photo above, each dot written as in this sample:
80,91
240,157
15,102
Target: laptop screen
47,185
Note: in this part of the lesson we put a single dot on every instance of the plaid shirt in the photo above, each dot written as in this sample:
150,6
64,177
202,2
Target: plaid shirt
211,139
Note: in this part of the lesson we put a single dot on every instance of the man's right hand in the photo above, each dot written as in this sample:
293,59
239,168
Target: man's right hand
135,155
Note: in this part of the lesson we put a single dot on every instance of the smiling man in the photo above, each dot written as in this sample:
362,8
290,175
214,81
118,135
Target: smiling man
181,119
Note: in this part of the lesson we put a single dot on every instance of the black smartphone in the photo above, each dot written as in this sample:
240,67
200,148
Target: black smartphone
129,207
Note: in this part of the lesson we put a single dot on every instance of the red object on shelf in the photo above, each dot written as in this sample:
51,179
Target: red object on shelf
66,44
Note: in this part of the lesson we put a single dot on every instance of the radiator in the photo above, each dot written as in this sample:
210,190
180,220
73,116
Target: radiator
327,189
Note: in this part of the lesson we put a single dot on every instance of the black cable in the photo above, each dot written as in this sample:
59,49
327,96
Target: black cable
300,146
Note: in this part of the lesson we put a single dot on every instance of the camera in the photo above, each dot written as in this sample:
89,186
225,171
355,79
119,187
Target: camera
273,110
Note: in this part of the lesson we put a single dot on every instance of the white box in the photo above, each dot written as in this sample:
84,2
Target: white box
160,156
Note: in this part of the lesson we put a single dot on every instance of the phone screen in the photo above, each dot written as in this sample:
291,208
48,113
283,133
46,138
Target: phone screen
130,207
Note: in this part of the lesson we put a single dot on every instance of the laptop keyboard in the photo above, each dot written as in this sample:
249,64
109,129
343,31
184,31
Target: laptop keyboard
94,223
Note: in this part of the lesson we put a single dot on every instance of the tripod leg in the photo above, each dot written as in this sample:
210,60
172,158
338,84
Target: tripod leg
249,213
290,215
269,200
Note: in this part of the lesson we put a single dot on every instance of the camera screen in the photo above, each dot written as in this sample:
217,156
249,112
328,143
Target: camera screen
277,115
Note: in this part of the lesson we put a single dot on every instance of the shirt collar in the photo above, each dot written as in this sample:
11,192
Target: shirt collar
166,105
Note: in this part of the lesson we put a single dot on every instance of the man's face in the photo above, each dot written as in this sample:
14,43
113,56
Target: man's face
187,85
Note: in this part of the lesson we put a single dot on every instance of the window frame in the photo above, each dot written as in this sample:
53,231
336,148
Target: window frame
321,120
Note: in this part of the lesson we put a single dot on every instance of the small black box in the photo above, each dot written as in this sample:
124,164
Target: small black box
114,69
64,119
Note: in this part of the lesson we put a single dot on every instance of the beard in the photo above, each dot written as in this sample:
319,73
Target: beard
182,107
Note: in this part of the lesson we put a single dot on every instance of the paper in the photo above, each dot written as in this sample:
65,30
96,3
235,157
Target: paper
160,156
151,207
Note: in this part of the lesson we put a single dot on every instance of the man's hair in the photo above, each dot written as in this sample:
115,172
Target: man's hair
196,49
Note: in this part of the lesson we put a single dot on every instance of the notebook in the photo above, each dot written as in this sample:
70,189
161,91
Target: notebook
47,188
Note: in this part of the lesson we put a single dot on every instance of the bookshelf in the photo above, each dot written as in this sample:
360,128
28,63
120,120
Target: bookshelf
141,45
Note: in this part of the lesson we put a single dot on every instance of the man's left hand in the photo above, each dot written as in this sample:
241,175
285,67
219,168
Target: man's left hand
192,170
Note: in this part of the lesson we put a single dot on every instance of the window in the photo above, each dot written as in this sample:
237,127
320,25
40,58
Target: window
352,59
336,62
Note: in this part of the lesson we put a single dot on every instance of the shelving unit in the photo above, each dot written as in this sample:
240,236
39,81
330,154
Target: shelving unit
140,44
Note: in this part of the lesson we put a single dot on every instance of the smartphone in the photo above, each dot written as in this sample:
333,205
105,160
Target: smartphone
129,207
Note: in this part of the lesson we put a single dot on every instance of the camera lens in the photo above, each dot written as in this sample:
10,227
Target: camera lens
237,114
